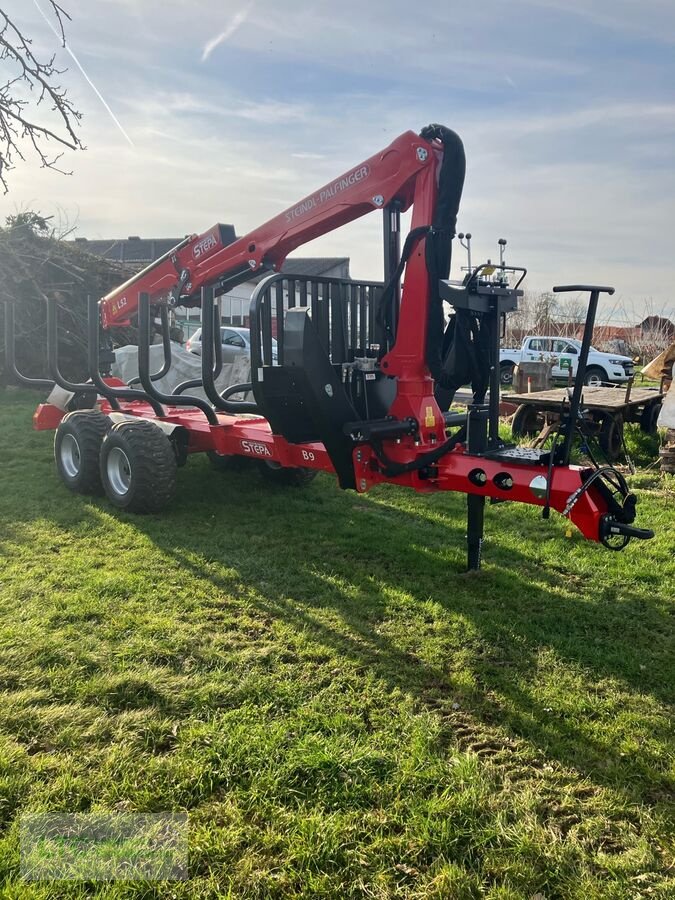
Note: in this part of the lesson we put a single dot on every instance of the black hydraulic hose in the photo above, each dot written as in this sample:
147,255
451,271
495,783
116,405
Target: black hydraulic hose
546,512
385,313
438,245
391,469
608,473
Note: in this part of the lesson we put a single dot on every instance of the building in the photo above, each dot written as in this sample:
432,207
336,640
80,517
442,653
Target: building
135,251
652,328
139,252
657,325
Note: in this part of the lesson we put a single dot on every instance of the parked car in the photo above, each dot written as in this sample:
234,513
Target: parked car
236,342
609,368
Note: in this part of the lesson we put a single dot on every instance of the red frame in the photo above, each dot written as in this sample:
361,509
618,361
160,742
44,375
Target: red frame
253,438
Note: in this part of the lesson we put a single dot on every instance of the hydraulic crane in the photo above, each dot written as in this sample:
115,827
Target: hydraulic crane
364,375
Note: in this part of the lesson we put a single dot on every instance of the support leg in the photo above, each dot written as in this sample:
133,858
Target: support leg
475,506
478,417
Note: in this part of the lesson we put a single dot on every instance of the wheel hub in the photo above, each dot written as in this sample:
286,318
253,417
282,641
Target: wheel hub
118,470
71,459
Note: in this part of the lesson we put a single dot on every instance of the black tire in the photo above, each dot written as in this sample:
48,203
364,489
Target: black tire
526,422
138,467
227,463
506,373
594,376
77,446
649,417
611,436
283,475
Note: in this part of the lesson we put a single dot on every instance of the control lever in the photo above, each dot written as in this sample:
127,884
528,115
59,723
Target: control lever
466,246
572,288
502,245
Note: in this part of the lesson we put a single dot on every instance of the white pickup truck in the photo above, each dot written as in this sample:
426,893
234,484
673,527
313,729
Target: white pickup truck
601,368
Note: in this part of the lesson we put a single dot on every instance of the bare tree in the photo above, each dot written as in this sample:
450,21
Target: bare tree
31,95
545,312
38,267
537,313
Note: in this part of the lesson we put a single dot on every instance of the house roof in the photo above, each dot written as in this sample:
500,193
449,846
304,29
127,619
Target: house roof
132,249
313,265
658,323
603,333
309,266
141,251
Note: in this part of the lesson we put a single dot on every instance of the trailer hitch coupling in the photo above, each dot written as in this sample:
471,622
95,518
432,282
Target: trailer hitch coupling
610,528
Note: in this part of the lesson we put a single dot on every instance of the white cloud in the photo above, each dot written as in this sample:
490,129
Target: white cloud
237,21
60,38
651,18
572,166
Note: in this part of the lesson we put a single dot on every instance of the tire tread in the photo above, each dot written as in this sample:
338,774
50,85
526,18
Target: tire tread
89,428
153,463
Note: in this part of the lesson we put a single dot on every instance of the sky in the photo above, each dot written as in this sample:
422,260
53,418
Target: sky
231,110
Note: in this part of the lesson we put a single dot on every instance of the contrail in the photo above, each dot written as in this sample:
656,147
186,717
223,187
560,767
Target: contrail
86,77
237,21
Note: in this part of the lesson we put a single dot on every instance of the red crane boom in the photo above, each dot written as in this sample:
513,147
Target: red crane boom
204,260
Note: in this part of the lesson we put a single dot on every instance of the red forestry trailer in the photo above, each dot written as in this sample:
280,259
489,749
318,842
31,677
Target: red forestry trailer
363,376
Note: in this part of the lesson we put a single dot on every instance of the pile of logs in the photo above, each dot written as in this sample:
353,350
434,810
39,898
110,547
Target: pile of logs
37,267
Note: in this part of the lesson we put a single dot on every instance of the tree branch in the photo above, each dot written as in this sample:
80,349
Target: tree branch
31,90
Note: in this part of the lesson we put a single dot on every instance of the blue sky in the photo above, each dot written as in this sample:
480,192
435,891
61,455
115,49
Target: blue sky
237,109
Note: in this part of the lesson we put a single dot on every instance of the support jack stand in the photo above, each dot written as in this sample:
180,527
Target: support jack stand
475,507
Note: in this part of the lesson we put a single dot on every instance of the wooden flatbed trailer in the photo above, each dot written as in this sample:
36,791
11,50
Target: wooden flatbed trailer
605,411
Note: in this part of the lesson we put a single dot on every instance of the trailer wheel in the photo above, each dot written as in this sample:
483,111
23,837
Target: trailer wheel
77,445
611,436
526,422
506,373
138,467
285,475
649,417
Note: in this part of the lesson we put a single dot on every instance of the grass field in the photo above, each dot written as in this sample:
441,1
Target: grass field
341,711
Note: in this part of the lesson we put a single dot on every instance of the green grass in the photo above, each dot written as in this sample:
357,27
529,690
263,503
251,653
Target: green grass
341,711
